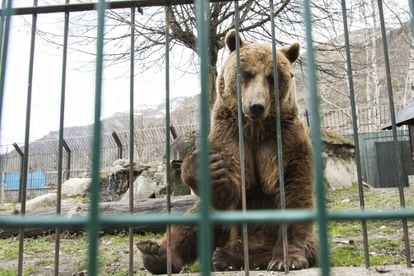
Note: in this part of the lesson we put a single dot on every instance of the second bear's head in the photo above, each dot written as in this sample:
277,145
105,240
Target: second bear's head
257,77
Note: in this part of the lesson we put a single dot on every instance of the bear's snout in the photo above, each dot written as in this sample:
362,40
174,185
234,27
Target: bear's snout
256,111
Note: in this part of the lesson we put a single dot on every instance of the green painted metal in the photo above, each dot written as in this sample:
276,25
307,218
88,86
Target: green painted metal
61,141
316,143
4,43
204,225
400,168
397,146
279,143
167,132
93,223
204,219
241,138
287,216
131,140
355,129
25,161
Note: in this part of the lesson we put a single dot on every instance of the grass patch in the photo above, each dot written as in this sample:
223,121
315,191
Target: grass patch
194,268
345,228
384,236
347,255
9,248
8,271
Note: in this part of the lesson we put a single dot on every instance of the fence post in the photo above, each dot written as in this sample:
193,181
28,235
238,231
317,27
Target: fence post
68,160
307,118
20,152
118,143
3,188
173,132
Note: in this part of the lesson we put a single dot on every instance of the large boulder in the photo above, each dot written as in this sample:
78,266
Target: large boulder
144,187
46,200
74,187
339,151
117,182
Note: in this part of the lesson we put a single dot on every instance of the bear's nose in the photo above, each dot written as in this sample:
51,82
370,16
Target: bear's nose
256,110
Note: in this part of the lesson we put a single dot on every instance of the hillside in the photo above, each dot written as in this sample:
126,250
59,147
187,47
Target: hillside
333,84
183,111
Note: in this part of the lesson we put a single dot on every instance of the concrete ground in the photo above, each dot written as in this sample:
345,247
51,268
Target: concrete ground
389,270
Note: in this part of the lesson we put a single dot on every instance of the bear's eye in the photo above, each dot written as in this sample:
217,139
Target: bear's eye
291,75
247,75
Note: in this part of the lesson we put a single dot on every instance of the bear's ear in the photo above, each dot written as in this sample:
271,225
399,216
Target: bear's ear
230,40
291,52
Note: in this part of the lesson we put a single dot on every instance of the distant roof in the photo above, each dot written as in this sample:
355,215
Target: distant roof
403,117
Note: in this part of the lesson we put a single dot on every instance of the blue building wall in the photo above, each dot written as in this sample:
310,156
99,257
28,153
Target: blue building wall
35,180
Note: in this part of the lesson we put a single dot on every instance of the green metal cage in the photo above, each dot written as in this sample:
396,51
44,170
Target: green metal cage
205,218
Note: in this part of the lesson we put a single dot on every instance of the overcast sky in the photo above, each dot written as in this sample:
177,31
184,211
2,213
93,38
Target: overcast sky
80,88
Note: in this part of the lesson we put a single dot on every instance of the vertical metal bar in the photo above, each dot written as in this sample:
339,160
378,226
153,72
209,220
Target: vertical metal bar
27,139
317,144
131,141
93,223
205,228
2,21
279,140
400,167
4,37
167,131
60,143
241,138
355,131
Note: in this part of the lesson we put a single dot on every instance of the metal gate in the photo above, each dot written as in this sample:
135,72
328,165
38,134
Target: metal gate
387,169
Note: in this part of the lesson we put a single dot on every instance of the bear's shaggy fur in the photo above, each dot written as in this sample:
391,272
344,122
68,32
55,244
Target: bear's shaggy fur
261,167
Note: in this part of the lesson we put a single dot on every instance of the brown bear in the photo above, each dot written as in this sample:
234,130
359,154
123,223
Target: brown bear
261,167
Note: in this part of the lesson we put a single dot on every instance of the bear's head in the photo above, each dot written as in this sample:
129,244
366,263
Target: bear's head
257,80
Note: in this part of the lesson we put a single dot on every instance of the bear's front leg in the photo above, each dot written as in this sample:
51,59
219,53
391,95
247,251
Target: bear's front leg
225,179
183,250
301,249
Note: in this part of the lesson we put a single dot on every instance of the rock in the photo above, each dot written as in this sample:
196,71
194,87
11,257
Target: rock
117,168
144,187
46,200
338,158
339,172
160,169
117,182
74,187
121,162
160,178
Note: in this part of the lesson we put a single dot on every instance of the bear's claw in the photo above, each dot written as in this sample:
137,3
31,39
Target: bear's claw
154,257
296,262
225,261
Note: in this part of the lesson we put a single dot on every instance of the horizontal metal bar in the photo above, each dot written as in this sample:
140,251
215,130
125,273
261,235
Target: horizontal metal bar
277,216
78,7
